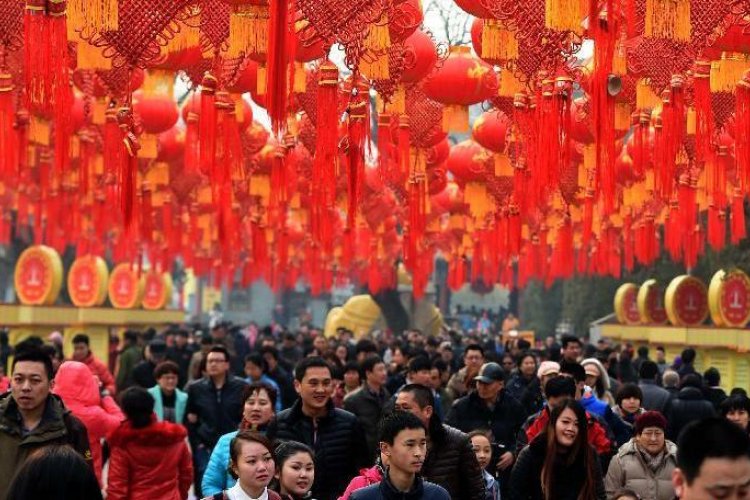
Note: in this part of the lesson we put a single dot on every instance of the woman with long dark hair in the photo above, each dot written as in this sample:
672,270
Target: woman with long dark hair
559,464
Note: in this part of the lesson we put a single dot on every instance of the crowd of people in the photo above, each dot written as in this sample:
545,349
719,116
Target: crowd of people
238,414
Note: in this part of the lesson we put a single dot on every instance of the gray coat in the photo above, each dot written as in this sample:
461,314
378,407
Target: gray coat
654,397
628,470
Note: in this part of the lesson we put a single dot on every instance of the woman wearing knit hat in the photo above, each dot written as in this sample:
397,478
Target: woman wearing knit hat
645,463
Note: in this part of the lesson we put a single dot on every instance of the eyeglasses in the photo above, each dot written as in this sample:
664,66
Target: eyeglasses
657,433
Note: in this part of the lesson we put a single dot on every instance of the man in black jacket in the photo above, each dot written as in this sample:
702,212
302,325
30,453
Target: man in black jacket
451,462
214,408
334,434
368,401
687,406
491,408
143,373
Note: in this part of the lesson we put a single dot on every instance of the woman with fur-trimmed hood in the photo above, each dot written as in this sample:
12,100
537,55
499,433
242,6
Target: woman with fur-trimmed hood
597,379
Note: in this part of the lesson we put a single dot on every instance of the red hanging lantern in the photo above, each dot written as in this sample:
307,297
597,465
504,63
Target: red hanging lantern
469,162
490,130
463,80
172,145
420,57
158,113
474,7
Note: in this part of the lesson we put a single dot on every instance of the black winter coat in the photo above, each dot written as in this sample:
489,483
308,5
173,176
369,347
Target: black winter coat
470,413
338,441
368,408
684,408
526,479
517,386
452,464
219,411
532,398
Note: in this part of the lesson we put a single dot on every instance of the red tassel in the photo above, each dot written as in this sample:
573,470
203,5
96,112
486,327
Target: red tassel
46,70
588,219
357,140
605,33
146,213
192,145
8,140
207,124
279,195
22,133
627,243
113,150
325,169
704,118
562,255
280,43
127,176
716,227
742,131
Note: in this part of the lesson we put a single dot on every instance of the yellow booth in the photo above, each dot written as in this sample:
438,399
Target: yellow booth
38,278
676,317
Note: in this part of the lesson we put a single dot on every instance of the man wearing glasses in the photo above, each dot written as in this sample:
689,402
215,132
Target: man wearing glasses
214,408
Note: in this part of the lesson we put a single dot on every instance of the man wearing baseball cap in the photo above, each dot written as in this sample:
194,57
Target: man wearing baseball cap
490,407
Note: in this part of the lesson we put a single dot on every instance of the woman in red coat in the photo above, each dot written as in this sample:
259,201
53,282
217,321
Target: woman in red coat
150,459
81,394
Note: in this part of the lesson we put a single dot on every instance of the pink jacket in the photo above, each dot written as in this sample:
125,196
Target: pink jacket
79,390
366,477
100,370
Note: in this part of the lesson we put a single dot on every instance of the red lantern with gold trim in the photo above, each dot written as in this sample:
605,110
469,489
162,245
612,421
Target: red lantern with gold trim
463,80
469,162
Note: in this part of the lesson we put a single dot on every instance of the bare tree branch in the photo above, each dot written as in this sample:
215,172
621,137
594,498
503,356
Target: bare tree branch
448,21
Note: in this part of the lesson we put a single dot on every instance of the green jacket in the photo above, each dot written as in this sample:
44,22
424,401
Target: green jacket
58,426
129,357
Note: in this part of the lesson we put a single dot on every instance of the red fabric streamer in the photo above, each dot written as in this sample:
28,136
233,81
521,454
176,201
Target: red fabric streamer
742,131
356,154
281,43
8,139
704,117
192,144
207,124
324,170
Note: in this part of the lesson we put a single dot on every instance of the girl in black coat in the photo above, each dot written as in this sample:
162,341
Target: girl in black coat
559,464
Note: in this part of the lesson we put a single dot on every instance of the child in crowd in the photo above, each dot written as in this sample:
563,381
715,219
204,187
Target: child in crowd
481,441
